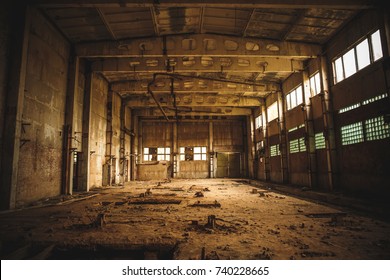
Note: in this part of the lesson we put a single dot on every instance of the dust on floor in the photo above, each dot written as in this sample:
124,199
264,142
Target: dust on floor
190,219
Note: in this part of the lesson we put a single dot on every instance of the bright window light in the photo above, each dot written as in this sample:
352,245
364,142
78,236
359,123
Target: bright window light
376,45
363,54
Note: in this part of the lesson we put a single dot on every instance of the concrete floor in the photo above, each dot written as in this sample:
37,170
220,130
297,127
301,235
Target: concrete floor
169,220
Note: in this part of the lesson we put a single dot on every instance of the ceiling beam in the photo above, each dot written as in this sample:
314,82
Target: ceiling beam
297,18
155,21
195,111
192,100
198,45
296,4
106,23
199,65
193,85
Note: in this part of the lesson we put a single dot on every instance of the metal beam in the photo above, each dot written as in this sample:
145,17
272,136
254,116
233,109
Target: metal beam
188,101
201,45
295,4
200,65
193,85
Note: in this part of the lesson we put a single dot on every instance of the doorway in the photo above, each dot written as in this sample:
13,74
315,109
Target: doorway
228,165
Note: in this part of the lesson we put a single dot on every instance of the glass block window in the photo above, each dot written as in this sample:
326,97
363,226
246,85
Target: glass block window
297,145
376,98
294,98
359,56
150,154
274,150
349,108
272,111
294,146
319,141
258,122
164,154
296,128
377,129
315,84
192,153
352,134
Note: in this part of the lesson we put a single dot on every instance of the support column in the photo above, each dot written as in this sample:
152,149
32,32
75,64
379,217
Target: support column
86,162
250,144
329,131
134,146
309,132
109,134
69,127
266,143
175,150
282,138
211,149
122,143
14,107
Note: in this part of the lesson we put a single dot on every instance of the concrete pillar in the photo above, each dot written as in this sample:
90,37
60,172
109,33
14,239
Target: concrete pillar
329,131
14,106
134,146
175,150
109,137
122,143
211,149
250,144
266,143
283,138
86,155
309,132
69,128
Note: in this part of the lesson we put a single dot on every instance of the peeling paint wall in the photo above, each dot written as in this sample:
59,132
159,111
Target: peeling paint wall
40,159
98,130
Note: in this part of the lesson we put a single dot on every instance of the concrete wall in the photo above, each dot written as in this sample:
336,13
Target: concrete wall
39,172
363,167
98,130
4,54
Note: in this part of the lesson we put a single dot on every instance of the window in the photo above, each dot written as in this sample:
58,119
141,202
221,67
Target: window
296,128
297,145
274,150
363,54
349,63
260,148
374,129
377,129
193,153
164,154
258,122
315,84
150,154
358,57
294,98
376,45
272,111
352,134
319,141
365,102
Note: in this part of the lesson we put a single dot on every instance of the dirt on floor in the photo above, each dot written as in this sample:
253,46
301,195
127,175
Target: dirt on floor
190,219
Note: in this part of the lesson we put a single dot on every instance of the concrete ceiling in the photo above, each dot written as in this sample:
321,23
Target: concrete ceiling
257,43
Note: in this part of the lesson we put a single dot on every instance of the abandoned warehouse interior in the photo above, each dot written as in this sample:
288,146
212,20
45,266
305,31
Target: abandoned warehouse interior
194,129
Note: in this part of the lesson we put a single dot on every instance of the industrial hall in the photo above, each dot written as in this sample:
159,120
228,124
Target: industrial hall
194,129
